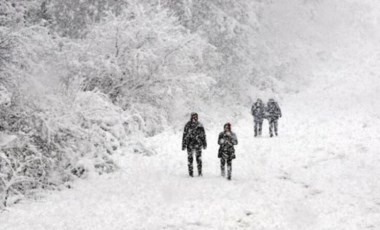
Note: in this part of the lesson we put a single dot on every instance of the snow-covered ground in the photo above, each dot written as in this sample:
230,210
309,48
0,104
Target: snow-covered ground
320,173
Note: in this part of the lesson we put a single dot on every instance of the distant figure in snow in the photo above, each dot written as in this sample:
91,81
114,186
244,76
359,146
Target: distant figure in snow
227,139
258,112
273,113
194,139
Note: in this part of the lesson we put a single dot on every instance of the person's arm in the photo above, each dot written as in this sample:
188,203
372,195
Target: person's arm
221,139
204,141
228,138
184,137
253,109
234,139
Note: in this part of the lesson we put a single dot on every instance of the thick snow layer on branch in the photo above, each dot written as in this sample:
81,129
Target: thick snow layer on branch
5,139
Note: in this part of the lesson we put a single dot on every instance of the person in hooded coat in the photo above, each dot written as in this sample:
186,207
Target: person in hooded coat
258,113
273,113
227,139
193,140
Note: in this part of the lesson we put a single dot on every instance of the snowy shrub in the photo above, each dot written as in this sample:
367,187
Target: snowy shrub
50,146
6,46
54,127
27,155
72,17
225,25
26,167
143,60
22,13
5,97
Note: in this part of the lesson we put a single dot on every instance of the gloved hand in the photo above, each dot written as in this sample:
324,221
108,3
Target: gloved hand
204,146
183,148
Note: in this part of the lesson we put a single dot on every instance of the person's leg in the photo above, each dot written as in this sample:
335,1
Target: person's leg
190,161
271,124
255,127
260,124
229,168
199,161
222,164
275,123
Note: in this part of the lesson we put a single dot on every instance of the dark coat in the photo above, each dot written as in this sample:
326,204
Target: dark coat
227,142
273,111
258,111
194,136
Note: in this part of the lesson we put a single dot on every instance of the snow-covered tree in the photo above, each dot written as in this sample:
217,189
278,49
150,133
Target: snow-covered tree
70,104
144,59
72,17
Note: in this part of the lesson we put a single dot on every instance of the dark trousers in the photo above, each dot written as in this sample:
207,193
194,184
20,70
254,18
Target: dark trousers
223,162
190,158
273,125
258,127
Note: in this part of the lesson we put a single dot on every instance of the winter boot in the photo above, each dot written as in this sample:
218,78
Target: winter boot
229,171
199,166
191,171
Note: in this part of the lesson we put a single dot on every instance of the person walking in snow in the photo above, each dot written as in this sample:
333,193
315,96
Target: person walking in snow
258,112
273,113
227,139
194,139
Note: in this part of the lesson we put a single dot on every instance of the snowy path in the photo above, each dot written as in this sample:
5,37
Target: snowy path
319,174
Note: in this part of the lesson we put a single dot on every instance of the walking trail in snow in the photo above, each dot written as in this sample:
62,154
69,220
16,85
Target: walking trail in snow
320,173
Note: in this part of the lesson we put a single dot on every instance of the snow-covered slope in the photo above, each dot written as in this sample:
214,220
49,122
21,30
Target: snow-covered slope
320,173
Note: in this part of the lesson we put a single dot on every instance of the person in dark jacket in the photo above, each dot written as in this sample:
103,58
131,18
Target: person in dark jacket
227,139
194,139
273,113
258,112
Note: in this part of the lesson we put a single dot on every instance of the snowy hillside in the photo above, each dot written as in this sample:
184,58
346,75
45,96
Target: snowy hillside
92,137
320,173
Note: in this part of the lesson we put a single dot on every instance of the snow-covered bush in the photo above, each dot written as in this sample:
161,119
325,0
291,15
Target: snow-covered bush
50,146
143,60
227,26
54,126
71,18
5,97
22,13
